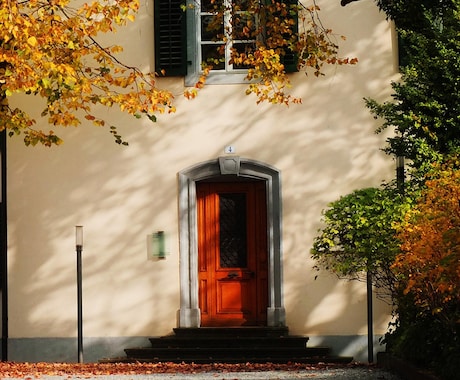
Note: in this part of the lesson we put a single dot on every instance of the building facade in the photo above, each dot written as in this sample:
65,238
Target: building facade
272,168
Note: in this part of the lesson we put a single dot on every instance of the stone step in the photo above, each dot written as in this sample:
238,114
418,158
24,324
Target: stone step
232,355
230,342
231,345
233,332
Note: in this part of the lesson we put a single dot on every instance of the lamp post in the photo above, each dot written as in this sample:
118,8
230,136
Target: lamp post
400,175
370,318
79,247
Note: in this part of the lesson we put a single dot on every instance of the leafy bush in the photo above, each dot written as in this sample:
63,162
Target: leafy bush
359,236
424,340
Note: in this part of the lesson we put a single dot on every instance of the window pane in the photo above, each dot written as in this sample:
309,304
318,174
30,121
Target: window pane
243,48
213,54
212,28
239,5
244,26
232,220
211,5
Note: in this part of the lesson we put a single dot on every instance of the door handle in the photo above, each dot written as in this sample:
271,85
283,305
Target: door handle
234,275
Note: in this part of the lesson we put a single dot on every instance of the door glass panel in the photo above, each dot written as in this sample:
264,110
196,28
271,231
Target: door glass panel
232,218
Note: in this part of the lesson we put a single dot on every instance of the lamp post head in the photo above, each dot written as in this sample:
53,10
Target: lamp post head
79,236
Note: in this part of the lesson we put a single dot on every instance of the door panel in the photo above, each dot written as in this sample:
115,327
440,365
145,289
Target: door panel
232,253
234,296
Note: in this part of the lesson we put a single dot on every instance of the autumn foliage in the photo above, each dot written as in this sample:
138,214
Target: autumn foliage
49,48
52,49
429,265
279,29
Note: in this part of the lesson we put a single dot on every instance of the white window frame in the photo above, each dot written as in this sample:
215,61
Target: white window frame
194,60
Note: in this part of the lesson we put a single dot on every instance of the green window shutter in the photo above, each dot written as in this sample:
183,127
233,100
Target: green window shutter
290,59
170,38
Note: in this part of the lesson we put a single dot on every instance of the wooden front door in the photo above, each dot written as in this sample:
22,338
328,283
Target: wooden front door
232,253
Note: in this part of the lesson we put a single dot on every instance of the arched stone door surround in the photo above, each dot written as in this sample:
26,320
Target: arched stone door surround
189,312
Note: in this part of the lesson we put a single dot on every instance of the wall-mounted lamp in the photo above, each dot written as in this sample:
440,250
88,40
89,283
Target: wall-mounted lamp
156,246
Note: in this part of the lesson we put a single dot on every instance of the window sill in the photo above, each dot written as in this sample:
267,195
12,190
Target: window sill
218,78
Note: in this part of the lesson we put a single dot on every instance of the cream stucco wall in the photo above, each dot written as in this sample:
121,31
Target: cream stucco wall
324,148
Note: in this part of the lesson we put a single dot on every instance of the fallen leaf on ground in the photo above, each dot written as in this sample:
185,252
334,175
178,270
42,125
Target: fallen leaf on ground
35,370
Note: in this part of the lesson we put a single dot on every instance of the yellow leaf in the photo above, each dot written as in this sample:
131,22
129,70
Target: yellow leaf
32,41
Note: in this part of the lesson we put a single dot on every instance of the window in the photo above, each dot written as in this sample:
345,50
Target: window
232,230
213,30
207,32
222,30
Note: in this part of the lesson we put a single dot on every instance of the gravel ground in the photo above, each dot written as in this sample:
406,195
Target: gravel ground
324,374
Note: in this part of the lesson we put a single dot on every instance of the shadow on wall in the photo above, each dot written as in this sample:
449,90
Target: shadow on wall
334,314
96,185
336,158
121,194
